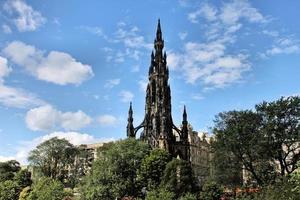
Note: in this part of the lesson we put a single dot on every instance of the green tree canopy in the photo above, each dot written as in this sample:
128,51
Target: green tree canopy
114,173
238,134
211,191
178,178
8,170
9,190
281,129
152,169
161,194
47,189
23,178
53,158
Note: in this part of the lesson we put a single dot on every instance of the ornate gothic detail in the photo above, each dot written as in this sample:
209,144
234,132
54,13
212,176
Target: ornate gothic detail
158,124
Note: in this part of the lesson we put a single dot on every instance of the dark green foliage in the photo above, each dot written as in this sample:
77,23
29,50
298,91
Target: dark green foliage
9,190
281,128
161,194
188,196
227,169
54,158
152,169
47,189
178,178
114,173
211,191
23,178
238,135
8,170
255,139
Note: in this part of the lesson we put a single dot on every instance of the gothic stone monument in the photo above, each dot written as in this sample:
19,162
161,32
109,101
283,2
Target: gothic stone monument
159,130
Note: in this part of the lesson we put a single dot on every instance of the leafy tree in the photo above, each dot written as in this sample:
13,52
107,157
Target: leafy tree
47,189
178,177
161,194
114,173
188,196
281,129
227,169
238,134
152,168
8,170
23,178
211,191
54,158
9,190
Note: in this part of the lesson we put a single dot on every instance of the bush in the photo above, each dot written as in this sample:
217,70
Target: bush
188,196
47,189
211,191
161,194
9,190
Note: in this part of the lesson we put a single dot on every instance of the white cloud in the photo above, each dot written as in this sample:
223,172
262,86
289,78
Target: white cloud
6,158
130,37
18,98
24,16
95,30
209,63
126,96
284,45
15,97
206,11
235,10
182,35
107,120
4,68
197,97
75,138
47,118
6,29
57,67
112,83
270,33
143,84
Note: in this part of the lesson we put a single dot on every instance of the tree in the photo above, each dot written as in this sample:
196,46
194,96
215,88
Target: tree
53,158
114,173
23,178
188,196
238,133
178,177
211,191
8,170
161,194
281,129
47,189
152,169
9,190
227,169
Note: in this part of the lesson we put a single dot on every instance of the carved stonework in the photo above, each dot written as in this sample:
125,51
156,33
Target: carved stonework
158,124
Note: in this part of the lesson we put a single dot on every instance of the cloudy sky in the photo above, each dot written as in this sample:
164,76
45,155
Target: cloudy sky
70,68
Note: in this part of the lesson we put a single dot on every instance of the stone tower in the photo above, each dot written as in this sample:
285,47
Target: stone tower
158,127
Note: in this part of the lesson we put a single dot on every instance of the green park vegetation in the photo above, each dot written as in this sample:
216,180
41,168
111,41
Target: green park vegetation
265,142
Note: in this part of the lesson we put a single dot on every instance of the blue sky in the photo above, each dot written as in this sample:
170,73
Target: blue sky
70,68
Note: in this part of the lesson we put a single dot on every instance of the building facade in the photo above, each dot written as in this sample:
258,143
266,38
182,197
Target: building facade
158,127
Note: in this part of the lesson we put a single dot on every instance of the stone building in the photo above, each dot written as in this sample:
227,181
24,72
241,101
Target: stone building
158,127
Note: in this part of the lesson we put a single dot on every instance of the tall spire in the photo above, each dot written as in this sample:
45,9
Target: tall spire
184,115
158,42
158,31
130,128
